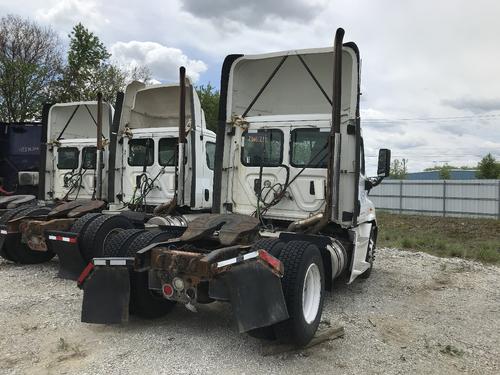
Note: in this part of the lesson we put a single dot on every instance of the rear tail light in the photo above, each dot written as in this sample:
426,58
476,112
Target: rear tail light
168,290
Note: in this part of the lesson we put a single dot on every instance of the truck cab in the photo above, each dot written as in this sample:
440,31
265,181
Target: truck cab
147,149
290,215
71,152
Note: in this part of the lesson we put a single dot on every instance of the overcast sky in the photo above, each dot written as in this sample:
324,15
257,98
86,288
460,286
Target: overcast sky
430,73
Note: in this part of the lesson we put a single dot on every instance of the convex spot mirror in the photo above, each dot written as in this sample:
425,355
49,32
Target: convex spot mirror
384,162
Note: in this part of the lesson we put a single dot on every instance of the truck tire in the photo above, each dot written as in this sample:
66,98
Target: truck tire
147,238
117,245
4,219
146,303
92,245
273,246
83,222
370,254
303,287
21,253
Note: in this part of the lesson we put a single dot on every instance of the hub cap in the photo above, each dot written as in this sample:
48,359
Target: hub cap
311,293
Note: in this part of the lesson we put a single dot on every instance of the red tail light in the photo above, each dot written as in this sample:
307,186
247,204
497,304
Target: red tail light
168,290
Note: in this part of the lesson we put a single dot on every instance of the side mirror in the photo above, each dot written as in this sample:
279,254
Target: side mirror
384,162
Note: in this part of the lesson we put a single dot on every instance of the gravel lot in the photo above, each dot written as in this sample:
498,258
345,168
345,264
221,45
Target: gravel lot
416,314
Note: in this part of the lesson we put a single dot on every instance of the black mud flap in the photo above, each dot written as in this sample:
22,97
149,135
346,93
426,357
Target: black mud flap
65,245
8,241
106,295
256,296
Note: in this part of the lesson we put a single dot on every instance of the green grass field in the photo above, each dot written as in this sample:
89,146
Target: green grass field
477,239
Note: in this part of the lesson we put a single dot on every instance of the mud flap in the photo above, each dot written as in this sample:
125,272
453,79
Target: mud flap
8,241
106,295
256,295
65,245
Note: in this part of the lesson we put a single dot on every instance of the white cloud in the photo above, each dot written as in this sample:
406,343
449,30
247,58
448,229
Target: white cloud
164,62
421,58
67,13
255,12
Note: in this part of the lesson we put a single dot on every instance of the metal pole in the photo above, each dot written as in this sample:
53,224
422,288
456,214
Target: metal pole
182,135
444,198
334,141
98,183
400,196
498,213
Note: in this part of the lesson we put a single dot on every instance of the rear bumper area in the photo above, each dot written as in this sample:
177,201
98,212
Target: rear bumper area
65,245
106,291
255,294
250,282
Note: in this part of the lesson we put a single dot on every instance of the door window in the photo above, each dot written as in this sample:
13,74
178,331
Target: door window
67,158
210,151
309,148
265,147
89,157
167,152
141,152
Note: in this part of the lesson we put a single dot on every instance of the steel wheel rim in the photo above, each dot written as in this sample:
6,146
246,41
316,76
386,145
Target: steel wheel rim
311,293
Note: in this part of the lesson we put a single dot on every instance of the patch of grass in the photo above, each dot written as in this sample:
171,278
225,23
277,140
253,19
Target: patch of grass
477,239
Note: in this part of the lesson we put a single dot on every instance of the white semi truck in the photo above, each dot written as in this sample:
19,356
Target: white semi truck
291,212
70,178
151,184
147,149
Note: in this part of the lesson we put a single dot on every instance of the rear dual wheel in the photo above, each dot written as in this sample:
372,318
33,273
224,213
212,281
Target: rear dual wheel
20,252
303,288
4,219
92,239
144,302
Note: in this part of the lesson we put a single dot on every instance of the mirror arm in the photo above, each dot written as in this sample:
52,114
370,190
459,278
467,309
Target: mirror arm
371,182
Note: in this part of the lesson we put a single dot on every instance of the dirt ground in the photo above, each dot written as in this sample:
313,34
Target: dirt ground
416,314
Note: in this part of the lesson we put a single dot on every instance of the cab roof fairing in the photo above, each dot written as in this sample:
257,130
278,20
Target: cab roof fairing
82,125
292,91
157,106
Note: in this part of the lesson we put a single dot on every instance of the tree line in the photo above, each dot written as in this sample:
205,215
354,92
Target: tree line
487,168
35,69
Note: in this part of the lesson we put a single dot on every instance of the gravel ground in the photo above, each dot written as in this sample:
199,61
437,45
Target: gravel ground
416,314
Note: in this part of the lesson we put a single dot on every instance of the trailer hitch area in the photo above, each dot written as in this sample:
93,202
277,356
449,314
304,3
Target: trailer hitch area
33,230
106,290
76,208
250,281
229,229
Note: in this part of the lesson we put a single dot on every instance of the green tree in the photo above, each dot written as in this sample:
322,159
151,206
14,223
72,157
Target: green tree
399,169
209,98
488,168
445,172
89,70
30,63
